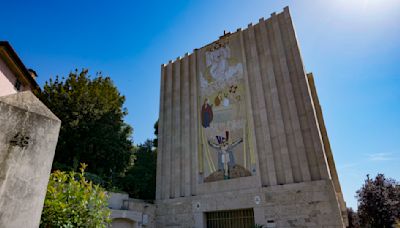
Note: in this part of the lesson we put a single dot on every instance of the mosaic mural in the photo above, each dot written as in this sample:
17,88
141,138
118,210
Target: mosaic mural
225,151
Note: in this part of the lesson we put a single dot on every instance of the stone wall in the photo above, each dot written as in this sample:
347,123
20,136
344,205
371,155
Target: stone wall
306,204
28,138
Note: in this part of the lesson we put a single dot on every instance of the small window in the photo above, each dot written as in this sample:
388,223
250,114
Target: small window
17,85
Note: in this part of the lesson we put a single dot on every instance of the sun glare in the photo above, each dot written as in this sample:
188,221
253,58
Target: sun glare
368,5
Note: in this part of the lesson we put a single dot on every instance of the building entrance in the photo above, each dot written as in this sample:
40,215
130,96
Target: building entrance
242,218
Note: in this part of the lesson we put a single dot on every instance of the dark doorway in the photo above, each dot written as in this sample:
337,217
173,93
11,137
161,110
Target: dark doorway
230,219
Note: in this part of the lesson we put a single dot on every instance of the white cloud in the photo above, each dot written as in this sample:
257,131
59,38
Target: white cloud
380,156
348,165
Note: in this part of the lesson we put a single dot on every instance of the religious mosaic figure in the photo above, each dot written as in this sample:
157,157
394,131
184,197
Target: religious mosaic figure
206,114
218,99
219,65
226,160
222,112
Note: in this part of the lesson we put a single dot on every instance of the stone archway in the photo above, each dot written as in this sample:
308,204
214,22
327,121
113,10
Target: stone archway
123,223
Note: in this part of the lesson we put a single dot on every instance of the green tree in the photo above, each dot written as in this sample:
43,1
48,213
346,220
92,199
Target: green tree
379,202
155,141
353,218
93,130
72,201
140,180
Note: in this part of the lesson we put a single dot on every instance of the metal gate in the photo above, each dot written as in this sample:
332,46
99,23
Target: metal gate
230,219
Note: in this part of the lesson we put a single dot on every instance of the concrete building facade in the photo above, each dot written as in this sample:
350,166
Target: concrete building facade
240,128
130,213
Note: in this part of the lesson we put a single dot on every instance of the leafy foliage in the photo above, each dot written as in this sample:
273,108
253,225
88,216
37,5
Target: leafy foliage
140,179
155,141
93,130
379,202
72,201
353,218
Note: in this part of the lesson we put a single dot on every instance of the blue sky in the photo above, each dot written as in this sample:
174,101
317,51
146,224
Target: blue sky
351,46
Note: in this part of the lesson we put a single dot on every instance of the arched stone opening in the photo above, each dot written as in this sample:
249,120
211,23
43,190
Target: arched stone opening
123,223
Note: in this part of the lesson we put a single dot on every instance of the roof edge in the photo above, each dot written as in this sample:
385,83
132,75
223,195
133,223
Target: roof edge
18,62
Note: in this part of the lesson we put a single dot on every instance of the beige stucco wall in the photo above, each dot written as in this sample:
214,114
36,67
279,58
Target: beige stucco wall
7,80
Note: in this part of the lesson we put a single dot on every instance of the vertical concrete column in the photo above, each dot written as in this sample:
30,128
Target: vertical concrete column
304,95
194,144
281,152
299,153
176,129
300,123
28,139
160,135
186,164
200,150
267,165
309,105
167,134
288,92
270,93
249,105
328,150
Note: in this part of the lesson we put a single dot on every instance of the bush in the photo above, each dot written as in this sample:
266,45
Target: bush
72,201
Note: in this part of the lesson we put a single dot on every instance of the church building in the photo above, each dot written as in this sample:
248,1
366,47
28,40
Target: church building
242,140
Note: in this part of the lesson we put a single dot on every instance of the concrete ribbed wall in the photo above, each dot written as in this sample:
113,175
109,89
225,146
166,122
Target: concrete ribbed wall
177,161
288,143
